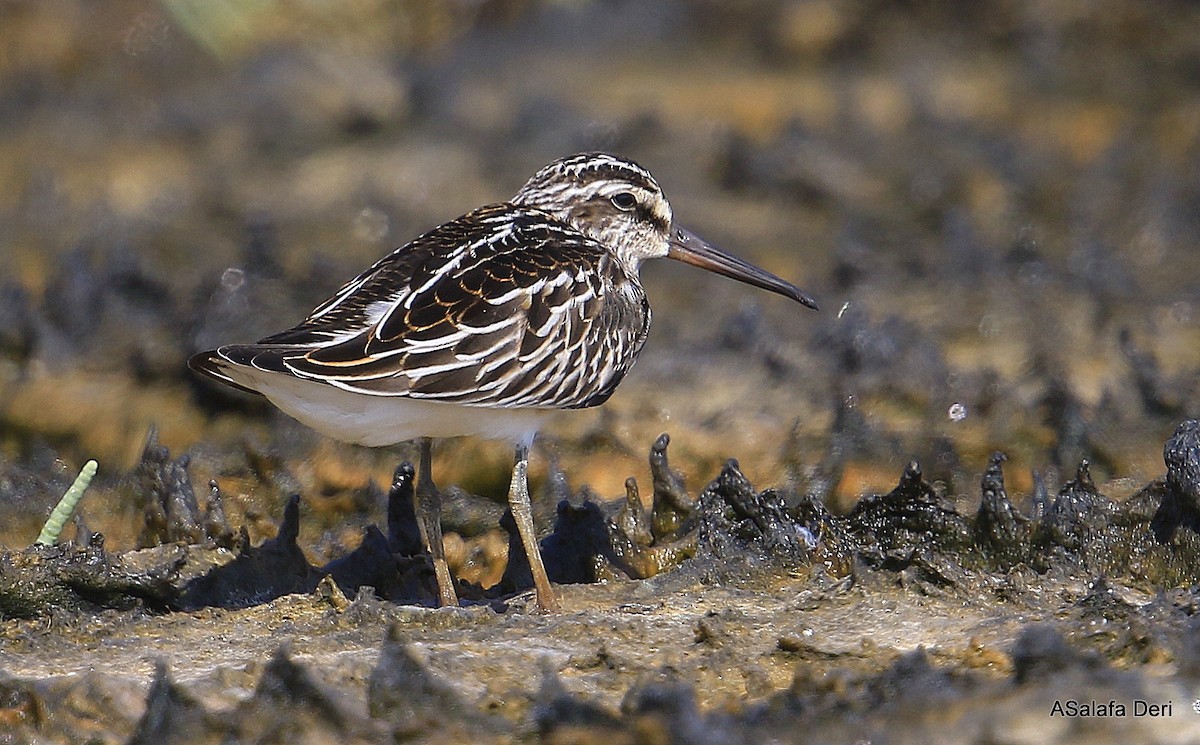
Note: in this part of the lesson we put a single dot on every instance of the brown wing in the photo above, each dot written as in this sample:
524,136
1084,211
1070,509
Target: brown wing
504,307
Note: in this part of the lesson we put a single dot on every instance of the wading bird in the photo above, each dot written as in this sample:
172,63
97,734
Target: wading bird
483,325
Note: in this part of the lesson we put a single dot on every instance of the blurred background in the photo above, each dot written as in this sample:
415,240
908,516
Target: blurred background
996,206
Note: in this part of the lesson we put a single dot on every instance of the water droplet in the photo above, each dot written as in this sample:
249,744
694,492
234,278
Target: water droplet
371,225
232,278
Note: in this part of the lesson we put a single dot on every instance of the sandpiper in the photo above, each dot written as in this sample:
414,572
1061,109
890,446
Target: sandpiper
484,325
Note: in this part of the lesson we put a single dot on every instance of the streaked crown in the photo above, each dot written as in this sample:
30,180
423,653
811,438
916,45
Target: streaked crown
610,199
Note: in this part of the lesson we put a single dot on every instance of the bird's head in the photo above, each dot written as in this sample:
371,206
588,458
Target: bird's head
620,205
610,199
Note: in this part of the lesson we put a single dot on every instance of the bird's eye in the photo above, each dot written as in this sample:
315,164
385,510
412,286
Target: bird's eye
624,201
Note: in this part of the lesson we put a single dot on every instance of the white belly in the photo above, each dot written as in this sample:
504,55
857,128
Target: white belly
377,421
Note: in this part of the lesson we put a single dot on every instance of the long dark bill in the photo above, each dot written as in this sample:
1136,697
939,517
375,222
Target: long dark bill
690,248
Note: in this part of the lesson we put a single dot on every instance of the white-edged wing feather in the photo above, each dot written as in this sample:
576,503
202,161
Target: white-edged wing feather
504,307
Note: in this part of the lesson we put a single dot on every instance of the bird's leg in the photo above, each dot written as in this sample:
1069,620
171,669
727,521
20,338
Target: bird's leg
522,512
429,520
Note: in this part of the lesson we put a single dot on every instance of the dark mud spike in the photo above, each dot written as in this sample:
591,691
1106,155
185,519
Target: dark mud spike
1000,531
83,535
912,486
1181,454
216,526
664,556
621,551
1041,652
1077,515
911,522
289,685
259,573
631,547
155,530
169,503
1181,499
672,702
1083,476
736,522
672,506
404,534
172,714
1041,495
993,475
289,528
573,551
632,519
182,510
556,708
403,692
517,574
371,564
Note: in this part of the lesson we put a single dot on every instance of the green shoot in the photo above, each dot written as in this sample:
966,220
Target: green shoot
66,506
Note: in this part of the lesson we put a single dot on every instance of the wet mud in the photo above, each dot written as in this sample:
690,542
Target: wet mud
960,504
764,578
